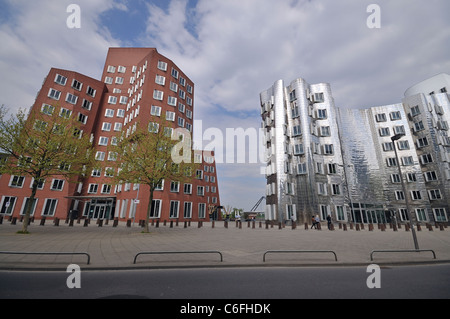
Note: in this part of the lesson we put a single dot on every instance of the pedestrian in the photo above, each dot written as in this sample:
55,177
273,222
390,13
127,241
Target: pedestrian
317,221
329,221
313,220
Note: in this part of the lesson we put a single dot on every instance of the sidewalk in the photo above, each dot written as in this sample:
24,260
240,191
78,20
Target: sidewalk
116,247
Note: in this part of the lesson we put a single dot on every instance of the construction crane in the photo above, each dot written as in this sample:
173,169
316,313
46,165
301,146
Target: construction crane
257,204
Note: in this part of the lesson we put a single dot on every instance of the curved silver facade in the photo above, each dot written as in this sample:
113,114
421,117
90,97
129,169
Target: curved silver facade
323,160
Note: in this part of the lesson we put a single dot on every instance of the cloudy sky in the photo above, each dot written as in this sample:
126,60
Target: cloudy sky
233,50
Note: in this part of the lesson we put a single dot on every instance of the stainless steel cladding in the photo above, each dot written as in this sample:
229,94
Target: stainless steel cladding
323,160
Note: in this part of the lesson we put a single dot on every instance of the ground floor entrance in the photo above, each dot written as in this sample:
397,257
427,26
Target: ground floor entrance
100,209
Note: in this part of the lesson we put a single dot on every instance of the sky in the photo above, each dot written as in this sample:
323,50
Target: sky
233,50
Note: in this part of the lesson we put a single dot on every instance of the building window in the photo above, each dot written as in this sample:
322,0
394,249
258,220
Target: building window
106,126
296,130
60,79
332,168
187,210
391,161
188,188
384,131
106,189
57,185
112,100
399,195
421,214
49,207
161,80
426,159
155,110
90,91
439,214
54,94
103,141
407,160
340,213
120,113
201,210
86,105
100,156
200,191
96,172
82,118
119,80
174,187
156,208
328,149
153,127
162,66
395,178
415,110
180,122
299,149
7,205
322,188
403,145
395,116
17,181
336,189
325,131
418,126
416,195
175,73
172,101
422,142
388,147
174,208
173,86
111,69
47,109
430,176
158,95
77,85
321,114
400,129
380,117
434,194
118,127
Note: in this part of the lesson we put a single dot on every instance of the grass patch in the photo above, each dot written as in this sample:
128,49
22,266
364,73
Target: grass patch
22,232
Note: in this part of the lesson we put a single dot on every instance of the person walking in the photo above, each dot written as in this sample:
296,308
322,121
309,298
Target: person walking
329,222
317,219
313,220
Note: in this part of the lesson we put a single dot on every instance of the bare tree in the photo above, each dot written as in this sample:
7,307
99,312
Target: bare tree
42,146
151,155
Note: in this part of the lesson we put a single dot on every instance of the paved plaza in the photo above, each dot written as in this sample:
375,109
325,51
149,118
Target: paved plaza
116,247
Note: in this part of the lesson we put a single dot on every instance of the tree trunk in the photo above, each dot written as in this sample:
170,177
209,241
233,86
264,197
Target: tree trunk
29,206
149,209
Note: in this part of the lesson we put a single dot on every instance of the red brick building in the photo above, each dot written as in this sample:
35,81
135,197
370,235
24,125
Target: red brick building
138,85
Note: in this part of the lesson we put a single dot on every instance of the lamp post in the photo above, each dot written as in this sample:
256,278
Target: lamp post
408,208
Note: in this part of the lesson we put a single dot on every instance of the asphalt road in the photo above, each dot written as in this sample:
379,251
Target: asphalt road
405,282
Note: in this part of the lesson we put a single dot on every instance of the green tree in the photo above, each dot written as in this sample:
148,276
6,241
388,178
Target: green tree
42,146
151,155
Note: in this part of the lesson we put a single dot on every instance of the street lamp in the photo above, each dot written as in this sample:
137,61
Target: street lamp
408,208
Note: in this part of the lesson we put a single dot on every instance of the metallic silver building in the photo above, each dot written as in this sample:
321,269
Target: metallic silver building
323,160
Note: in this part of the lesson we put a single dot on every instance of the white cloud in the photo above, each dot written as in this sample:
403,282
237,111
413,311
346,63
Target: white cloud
235,49
36,38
